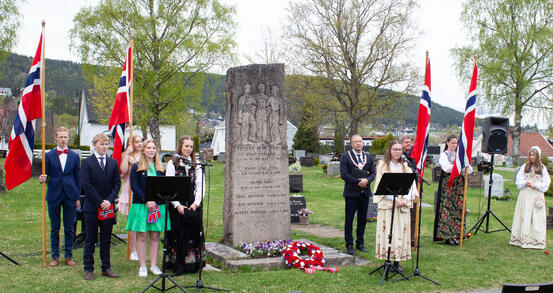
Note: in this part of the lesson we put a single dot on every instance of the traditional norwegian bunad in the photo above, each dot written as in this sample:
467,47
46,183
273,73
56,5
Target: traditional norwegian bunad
529,223
401,236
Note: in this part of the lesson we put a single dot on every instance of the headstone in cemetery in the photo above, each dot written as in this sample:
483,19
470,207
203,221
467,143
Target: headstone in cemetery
257,203
307,162
207,155
436,171
297,202
2,183
296,182
497,185
325,159
333,169
509,162
299,154
372,210
221,157
475,180
312,155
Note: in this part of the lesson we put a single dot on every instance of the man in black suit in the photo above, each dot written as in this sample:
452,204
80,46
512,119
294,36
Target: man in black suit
357,170
100,181
64,190
406,145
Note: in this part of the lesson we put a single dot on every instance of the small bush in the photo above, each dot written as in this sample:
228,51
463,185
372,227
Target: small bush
316,161
325,168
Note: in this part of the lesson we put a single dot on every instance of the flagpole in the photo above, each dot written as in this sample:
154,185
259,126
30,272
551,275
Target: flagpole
43,102
463,210
418,180
131,71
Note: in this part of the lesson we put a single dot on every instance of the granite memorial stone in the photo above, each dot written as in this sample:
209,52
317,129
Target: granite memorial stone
497,185
257,203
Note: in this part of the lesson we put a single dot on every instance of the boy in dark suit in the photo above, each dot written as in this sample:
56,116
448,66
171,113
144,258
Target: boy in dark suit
357,170
62,175
100,181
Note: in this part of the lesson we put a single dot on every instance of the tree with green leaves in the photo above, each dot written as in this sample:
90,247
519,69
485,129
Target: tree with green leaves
357,46
10,16
174,42
307,136
514,49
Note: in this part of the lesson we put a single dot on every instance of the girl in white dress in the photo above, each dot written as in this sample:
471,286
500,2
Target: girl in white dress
529,223
401,236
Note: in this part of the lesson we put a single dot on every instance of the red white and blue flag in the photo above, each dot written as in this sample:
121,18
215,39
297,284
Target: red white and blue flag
464,148
121,109
18,164
423,123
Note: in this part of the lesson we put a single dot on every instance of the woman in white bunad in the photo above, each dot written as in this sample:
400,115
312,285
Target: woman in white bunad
529,223
401,236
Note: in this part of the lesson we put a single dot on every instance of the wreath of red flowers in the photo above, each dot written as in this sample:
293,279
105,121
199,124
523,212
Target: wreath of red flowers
291,255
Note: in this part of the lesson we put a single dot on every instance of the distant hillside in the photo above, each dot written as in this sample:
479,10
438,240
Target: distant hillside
64,80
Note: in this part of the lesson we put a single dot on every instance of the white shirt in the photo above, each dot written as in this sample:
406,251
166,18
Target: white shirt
98,159
200,184
543,183
62,157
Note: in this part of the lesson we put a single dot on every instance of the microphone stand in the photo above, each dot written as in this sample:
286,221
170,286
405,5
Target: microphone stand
416,271
199,283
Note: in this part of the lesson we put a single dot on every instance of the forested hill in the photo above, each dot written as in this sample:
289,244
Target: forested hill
64,80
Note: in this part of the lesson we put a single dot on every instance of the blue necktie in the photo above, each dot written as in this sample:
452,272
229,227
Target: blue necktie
102,163
358,158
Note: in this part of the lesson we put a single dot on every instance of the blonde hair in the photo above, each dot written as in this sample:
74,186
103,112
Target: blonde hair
99,137
60,129
143,162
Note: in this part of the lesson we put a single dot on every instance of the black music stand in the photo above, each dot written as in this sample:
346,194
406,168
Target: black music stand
9,258
163,190
392,184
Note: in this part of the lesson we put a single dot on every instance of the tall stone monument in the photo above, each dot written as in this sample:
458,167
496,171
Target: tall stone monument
257,205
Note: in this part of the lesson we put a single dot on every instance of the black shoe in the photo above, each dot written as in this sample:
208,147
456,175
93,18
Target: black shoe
450,242
361,248
398,267
350,249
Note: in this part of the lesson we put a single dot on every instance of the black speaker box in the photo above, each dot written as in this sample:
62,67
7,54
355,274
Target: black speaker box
522,288
495,135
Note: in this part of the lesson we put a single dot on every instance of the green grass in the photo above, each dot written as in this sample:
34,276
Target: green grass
485,261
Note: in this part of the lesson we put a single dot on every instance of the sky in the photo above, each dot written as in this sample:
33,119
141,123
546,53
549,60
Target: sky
438,21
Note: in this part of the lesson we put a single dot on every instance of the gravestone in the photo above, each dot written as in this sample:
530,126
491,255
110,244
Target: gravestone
325,159
436,172
307,162
257,203
497,185
333,169
2,183
475,180
296,182
221,157
372,210
297,202
299,154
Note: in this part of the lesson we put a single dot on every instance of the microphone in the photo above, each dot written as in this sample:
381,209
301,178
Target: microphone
408,162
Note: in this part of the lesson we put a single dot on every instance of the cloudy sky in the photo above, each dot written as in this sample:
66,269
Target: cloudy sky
438,20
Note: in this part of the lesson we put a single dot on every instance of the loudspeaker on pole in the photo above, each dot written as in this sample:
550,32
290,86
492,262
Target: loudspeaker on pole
495,135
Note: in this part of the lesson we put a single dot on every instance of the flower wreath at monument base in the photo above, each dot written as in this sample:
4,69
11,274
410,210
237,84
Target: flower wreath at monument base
314,262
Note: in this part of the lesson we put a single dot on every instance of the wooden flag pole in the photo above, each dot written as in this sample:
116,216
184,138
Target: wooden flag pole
131,73
463,210
43,102
419,183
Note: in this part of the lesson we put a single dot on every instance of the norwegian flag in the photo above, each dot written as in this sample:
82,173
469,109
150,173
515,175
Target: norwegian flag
423,123
464,148
121,109
154,215
18,164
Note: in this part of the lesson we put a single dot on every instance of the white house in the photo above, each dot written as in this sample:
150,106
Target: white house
218,142
89,126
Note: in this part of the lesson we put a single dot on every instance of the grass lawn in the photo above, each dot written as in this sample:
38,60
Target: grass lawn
485,261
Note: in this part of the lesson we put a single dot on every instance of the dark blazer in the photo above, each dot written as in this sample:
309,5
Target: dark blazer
58,181
138,184
346,168
98,184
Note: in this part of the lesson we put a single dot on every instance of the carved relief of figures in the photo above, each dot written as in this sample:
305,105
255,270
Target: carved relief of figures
273,110
247,106
261,114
